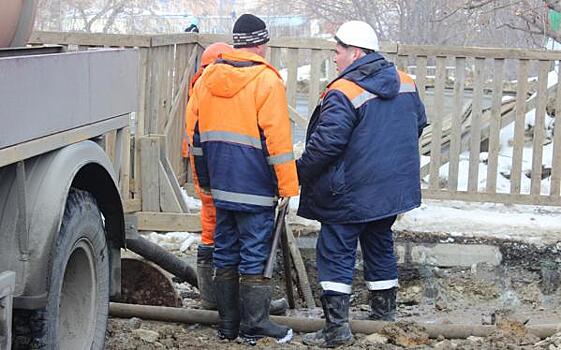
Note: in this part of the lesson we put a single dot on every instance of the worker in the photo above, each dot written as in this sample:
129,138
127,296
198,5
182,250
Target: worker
359,170
208,212
242,145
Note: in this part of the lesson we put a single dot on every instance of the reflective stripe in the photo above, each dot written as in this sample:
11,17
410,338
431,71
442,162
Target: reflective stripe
407,88
362,99
228,136
196,151
336,287
381,285
243,198
280,158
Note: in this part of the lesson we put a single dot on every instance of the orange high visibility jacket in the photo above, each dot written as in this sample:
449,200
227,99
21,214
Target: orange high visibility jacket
242,141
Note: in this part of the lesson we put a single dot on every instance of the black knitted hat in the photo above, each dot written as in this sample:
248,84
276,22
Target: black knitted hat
249,31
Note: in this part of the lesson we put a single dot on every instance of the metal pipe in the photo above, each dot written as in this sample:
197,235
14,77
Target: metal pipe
450,331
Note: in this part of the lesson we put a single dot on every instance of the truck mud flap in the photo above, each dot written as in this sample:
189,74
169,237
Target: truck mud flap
7,286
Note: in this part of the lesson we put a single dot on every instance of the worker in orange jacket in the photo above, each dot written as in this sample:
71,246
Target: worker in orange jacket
208,211
242,145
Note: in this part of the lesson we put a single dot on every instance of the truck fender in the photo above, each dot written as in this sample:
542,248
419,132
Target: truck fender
83,165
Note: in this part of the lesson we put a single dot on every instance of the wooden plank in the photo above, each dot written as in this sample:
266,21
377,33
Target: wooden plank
153,100
303,280
303,43
180,98
109,144
171,80
175,185
46,144
506,198
118,152
292,66
136,169
556,161
455,139
170,175
167,222
132,206
287,267
296,118
206,39
168,201
149,181
519,125
159,40
124,175
143,90
163,112
479,52
437,123
90,39
421,76
402,62
475,134
539,128
174,39
331,70
507,110
389,47
315,71
284,42
495,126
276,57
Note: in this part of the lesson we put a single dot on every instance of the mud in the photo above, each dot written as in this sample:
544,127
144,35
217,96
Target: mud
523,290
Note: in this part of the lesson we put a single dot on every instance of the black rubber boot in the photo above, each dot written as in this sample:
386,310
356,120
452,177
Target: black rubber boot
336,331
226,287
255,301
204,276
382,304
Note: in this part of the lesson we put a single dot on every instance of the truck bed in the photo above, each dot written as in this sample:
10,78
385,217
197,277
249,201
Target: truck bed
76,94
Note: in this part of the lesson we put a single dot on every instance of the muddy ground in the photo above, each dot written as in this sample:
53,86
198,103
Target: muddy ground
523,290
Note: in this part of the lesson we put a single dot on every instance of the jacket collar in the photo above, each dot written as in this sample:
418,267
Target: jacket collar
242,55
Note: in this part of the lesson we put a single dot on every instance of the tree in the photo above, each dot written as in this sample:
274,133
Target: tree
117,16
527,16
436,22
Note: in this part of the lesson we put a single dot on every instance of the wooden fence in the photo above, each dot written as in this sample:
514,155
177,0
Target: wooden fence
470,107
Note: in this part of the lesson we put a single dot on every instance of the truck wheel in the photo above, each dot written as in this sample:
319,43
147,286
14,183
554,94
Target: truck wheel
77,308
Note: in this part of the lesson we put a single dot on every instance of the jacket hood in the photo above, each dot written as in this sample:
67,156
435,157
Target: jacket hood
233,71
374,74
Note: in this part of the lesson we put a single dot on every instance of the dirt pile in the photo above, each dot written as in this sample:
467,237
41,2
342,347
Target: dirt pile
406,334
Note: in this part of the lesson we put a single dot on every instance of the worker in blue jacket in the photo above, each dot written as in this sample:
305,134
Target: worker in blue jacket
359,170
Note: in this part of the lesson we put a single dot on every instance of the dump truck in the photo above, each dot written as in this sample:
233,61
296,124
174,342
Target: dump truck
61,210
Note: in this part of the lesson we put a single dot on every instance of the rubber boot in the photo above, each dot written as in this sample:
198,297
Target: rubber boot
226,289
204,276
337,331
382,304
255,301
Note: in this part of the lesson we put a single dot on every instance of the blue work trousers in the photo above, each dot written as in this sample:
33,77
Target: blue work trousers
336,255
243,240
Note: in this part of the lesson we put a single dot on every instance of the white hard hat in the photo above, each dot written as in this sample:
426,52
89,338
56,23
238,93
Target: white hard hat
359,34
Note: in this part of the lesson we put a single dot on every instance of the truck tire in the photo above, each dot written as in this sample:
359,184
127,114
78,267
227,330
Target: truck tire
76,314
